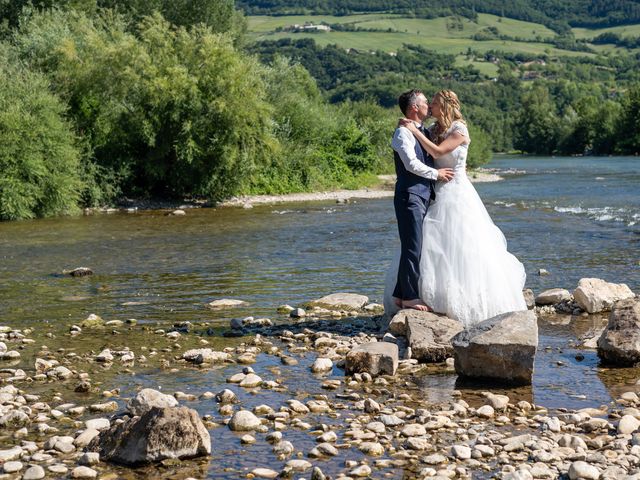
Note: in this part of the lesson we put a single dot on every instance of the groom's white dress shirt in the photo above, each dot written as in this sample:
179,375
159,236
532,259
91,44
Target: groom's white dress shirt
405,144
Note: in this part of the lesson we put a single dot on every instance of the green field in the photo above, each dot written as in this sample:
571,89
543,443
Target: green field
446,35
623,31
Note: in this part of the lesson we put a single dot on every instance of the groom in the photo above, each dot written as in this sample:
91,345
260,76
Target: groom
415,188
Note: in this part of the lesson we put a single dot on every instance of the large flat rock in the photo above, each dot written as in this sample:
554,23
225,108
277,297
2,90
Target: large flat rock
376,358
341,301
594,295
429,336
500,349
619,343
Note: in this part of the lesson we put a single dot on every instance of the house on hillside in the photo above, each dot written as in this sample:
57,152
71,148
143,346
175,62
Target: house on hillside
309,27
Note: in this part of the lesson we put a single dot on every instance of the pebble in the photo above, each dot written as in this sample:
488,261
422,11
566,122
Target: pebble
83,472
321,365
361,471
264,473
243,421
12,467
584,471
36,472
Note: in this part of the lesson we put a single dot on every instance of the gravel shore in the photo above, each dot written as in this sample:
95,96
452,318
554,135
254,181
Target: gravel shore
385,189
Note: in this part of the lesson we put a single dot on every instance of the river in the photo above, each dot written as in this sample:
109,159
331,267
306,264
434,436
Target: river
575,217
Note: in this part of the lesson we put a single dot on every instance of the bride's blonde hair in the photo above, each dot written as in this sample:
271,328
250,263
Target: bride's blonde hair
449,113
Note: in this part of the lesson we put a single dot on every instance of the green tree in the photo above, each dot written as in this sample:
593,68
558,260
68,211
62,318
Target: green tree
628,128
480,147
39,158
171,111
537,127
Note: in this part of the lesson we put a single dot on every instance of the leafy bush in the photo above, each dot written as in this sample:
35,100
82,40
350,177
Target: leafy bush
480,147
39,158
172,111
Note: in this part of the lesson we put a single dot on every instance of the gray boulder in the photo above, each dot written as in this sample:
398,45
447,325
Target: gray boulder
375,358
341,301
529,298
553,296
159,434
429,336
148,398
594,295
501,348
619,343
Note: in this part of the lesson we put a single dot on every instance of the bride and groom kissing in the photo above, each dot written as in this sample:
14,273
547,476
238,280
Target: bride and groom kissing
453,259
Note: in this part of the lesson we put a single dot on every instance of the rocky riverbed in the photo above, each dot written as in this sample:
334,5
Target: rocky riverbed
274,399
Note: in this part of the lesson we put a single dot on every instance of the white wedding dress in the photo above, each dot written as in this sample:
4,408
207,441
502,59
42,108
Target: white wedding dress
466,271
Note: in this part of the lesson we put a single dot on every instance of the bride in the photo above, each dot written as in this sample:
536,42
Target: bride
466,271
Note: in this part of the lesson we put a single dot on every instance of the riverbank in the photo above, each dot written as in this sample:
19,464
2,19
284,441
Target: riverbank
65,383
383,190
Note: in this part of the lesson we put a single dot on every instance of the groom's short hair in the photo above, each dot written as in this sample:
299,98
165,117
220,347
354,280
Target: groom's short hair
408,98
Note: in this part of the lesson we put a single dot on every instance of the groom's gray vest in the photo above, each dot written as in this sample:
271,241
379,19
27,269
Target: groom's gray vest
410,182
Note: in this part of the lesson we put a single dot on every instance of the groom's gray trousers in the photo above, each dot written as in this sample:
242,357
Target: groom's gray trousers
410,212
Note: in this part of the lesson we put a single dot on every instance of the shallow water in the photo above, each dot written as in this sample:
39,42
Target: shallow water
577,217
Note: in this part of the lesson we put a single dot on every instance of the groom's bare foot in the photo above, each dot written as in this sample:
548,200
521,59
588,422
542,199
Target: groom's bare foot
397,301
416,304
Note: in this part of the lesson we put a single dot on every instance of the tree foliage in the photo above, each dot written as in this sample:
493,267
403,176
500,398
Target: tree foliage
39,157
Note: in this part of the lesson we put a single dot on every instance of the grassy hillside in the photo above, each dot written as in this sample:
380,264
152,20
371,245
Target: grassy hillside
452,35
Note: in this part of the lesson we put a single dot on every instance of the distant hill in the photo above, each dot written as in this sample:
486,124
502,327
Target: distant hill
558,15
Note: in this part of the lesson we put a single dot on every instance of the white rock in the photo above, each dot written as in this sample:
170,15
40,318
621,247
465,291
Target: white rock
583,471
35,472
244,421
83,472
98,424
12,467
461,452
322,365
147,398
595,295
628,424
225,303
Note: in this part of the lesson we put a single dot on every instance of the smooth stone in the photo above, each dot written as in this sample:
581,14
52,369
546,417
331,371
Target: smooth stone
583,471
595,295
98,424
361,471
461,452
225,303
36,472
298,465
244,421
375,358
86,436
627,425
250,381
10,454
553,296
83,472
147,398
12,467
321,365
264,473
341,301
371,448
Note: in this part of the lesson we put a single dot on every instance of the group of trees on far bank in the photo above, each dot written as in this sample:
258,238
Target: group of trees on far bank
104,99
100,104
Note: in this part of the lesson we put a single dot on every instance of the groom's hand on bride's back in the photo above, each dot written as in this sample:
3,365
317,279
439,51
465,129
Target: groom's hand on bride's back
445,174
